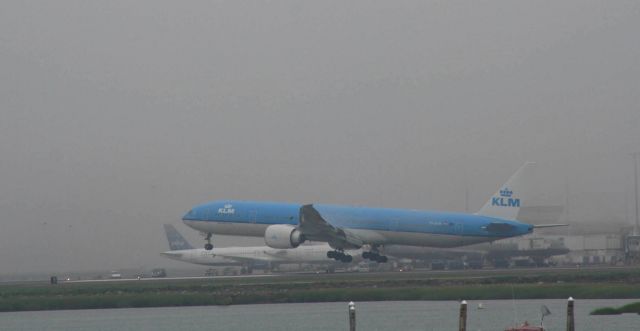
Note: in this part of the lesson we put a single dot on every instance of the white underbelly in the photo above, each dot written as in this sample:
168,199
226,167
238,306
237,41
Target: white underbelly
205,257
229,228
416,238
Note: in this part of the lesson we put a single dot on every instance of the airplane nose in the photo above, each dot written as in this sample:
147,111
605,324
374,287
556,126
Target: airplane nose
188,215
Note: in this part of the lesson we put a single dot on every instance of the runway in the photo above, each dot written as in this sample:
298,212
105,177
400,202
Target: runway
160,279
312,277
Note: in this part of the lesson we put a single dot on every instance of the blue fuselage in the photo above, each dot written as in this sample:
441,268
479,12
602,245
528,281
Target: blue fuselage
374,225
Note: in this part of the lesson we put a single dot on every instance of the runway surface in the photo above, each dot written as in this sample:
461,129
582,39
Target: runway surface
160,279
349,276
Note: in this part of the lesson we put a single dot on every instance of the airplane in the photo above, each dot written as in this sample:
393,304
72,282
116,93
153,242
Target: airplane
181,250
287,225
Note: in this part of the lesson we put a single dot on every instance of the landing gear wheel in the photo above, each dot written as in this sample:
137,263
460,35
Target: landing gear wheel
208,246
346,258
373,256
339,255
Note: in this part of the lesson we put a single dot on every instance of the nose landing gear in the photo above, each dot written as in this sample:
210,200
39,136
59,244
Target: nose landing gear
339,256
208,246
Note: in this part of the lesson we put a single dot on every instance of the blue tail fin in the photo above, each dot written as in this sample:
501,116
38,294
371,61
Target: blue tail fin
176,240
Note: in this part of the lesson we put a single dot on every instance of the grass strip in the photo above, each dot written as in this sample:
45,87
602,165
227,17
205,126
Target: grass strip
168,296
629,308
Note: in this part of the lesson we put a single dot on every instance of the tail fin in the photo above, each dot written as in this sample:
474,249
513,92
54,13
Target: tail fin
506,202
176,240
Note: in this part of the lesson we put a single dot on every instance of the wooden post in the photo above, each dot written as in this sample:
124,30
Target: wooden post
570,320
352,316
463,316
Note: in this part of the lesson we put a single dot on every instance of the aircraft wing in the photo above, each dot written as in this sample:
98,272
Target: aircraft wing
314,227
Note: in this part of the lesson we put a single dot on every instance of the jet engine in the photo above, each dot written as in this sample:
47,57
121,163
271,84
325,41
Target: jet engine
283,236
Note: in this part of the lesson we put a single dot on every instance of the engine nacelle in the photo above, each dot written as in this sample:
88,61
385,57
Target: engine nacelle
283,236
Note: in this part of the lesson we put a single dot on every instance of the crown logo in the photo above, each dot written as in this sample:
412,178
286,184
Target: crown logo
505,192
228,206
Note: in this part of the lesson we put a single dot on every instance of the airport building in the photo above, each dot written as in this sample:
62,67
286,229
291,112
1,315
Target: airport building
582,249
592,249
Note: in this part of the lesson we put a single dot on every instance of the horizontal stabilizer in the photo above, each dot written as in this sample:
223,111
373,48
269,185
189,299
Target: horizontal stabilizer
540,226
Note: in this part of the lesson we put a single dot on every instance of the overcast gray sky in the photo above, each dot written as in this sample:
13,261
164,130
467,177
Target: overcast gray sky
118,116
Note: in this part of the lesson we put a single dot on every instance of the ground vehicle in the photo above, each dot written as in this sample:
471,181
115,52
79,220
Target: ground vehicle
158,273
523,263
474,263
455,265
501,263
438,265
362,267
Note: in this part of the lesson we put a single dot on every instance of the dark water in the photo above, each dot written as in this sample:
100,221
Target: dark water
391,315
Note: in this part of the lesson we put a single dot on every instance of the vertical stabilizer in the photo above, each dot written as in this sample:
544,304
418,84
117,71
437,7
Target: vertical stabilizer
507,201
176,240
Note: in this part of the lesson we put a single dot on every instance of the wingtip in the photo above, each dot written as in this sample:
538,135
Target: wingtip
307,206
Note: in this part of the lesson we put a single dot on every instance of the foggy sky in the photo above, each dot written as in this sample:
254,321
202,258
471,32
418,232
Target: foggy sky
118,116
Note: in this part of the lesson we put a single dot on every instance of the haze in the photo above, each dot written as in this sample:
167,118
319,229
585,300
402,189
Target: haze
118,116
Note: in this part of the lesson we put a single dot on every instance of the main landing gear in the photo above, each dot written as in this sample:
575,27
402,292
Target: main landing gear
339,256
374,256
208,246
